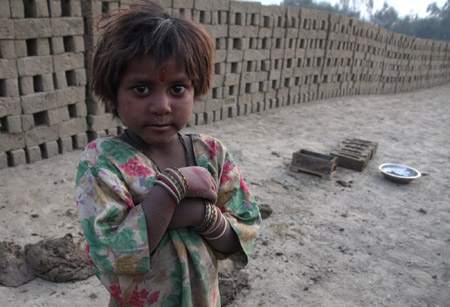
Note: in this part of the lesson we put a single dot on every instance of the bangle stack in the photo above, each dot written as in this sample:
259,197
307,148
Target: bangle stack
212,222
173,181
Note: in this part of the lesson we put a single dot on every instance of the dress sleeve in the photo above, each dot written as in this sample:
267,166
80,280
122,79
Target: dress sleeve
234,198
114,228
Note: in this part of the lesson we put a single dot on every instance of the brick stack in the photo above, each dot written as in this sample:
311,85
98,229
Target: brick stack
244,29
221,102
313,39
340,51
275,17
42,80
100,120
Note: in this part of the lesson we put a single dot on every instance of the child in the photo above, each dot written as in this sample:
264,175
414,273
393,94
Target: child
158,208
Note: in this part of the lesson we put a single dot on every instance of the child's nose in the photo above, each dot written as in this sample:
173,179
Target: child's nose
160,104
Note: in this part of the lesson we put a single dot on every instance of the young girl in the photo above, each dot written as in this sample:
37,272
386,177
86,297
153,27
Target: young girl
159,208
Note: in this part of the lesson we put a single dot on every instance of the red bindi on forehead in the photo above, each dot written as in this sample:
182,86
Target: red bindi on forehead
162,74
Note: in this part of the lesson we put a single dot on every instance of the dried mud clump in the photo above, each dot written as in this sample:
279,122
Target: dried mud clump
58,260
14,270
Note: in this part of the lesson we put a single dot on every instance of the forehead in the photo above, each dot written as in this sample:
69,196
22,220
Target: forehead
146,64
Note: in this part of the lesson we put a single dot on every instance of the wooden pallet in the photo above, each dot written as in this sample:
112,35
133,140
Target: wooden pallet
354,153
314,163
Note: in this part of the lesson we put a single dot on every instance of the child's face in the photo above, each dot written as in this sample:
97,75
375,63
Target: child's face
155,103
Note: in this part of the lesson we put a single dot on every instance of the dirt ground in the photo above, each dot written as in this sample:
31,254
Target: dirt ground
355,240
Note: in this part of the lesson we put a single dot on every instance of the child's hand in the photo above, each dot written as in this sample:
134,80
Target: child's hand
201,183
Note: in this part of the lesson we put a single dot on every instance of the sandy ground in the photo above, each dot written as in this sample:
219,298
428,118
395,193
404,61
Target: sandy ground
371,243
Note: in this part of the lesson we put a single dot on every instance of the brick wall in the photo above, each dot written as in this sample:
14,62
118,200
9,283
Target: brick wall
266,57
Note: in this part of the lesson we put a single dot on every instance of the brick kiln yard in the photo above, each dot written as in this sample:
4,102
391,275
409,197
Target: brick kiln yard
356,240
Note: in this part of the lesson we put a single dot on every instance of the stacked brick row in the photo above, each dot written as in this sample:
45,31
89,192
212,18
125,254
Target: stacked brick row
42,80
266,57
100,119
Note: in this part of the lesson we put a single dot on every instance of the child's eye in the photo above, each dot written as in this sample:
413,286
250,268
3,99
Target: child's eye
141,89
178,89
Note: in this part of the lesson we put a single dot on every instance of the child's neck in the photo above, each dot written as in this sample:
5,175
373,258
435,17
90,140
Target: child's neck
171,154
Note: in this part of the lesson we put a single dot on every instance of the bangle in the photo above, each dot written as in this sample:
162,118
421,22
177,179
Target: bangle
180,176
209,220
214,224
174,184
221,234
168,189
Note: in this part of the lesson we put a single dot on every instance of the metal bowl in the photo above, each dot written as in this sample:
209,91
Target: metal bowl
399,173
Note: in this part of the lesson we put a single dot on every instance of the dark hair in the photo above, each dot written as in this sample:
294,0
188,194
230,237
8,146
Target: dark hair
146,28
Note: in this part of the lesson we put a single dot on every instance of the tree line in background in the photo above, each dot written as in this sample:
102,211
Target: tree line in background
436,25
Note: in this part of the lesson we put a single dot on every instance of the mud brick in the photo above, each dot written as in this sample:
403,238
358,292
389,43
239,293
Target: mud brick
80,77
14,124
17,157
9,106
32,28
211,5
72,126
57,45
78,44
70,95
38,102
41,134
3,160
33,154
8,68
191,122
11,141
102,122
199,105
112,131
26,86
27,121
50,149
6,28
97,134
9,88
199,119
65,144
55,8
183,4
314,163
67,26
78,109
68,61
5,12
80,140
7,49
213,105
36,65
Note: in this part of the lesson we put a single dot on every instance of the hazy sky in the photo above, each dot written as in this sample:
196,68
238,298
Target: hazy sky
404,7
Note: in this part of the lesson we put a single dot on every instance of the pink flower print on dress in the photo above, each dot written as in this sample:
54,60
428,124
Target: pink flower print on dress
138,298
134,168
92,145
225,171
212,146
129,202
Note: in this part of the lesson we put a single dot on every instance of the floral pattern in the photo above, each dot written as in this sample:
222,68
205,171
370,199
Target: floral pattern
183,270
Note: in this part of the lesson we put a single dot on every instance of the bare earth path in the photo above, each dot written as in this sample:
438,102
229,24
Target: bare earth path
370,243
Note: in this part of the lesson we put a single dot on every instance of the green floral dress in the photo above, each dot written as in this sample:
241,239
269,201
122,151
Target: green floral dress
183,270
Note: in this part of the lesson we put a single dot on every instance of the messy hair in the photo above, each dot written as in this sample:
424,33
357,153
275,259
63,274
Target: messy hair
146,28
